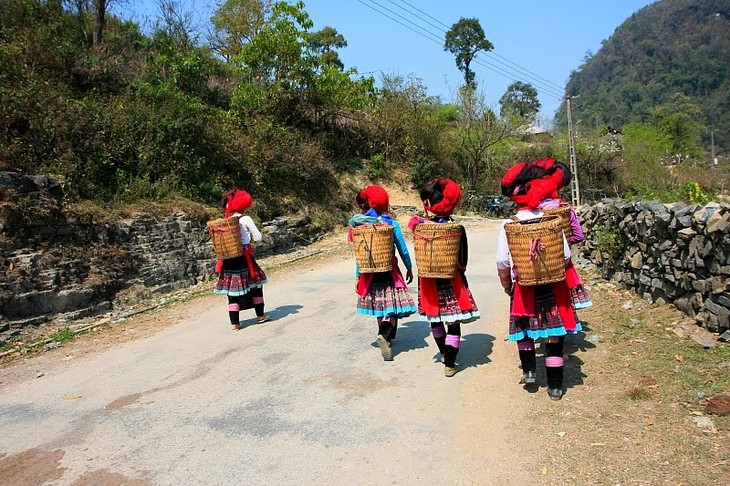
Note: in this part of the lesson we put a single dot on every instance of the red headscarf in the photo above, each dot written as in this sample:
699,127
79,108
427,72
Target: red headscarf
238,201
375,197
522,184
452,194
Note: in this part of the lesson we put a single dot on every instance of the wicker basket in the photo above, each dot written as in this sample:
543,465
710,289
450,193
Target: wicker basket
536,247
373,247
226,237
563,211
437,249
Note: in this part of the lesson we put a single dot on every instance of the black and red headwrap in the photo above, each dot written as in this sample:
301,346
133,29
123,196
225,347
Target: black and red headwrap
446,206
375,197
238,200
528,184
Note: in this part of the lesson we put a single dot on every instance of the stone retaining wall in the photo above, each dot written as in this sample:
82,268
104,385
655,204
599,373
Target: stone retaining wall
53,264
675,253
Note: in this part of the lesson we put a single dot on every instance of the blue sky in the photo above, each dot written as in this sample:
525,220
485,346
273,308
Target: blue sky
535,41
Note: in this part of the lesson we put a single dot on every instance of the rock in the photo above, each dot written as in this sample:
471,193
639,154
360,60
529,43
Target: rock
725,337
704,423
704,341
719,405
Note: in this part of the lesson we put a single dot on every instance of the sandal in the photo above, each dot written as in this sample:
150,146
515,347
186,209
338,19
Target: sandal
262,319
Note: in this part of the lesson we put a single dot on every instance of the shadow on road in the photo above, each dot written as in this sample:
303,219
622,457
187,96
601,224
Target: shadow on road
572,373
278,313
411,335
475,349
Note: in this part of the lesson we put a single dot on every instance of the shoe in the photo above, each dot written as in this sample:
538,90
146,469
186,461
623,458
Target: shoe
385,348
262,319
528,378
450,371
555,393
235,327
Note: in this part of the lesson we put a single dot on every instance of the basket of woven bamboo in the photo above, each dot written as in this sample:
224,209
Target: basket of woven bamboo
373,247
437,249
562,211
536,247
225,234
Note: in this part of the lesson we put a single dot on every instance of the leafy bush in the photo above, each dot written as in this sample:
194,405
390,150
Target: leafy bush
695,194
422,171
377,168
610,242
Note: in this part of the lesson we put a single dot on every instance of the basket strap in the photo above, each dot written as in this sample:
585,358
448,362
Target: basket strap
431,238
222,229
536,247
368,247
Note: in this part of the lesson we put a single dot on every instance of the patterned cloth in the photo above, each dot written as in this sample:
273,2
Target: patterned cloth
449,309
235,279
384,299
546,321
581,299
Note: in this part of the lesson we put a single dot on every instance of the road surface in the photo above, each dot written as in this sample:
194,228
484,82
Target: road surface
304,399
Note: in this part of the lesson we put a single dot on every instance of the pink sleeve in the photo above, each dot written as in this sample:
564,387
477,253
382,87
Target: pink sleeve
576,232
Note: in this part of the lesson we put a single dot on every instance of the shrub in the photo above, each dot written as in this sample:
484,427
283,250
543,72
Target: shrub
377,168
422,171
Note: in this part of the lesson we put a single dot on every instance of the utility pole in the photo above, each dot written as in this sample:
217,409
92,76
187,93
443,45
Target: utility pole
574,188
713,159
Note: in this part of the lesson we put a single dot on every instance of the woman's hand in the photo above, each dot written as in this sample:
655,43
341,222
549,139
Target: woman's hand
409,276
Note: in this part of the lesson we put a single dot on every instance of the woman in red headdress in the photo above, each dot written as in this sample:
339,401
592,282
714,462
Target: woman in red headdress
241,278
445,303
542,311
383,294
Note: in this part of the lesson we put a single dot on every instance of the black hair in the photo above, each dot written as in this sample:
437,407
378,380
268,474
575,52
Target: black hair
227,196
567,174
531,172
361,201
432,192
528,173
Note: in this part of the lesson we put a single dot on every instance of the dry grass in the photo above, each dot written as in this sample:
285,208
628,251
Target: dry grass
635,393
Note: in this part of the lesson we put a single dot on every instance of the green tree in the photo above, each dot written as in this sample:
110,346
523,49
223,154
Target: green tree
235,23
324,43
645,149
520,100
680,119
464,40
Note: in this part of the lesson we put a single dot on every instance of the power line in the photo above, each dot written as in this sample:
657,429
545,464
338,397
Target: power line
399,22
510,73
490,53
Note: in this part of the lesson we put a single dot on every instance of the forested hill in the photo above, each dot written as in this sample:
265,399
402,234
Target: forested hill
670,55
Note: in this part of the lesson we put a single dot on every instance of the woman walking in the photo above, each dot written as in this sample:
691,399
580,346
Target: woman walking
240,278
541,311
383,295
445,303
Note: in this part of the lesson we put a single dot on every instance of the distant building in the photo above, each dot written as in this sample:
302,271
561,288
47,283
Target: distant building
536,133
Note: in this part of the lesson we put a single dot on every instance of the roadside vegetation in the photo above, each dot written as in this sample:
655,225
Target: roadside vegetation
124,117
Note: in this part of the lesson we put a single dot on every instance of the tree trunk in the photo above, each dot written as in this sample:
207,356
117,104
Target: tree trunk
99,21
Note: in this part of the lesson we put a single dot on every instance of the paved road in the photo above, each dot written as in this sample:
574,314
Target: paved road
303,399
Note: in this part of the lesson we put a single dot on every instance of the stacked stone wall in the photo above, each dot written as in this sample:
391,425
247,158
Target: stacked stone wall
675,253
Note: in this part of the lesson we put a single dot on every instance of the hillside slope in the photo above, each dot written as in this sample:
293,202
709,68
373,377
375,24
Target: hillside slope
669,47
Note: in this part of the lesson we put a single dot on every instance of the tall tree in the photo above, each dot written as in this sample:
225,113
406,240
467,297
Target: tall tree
324,43
100,8
464,40
520,100
235,23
